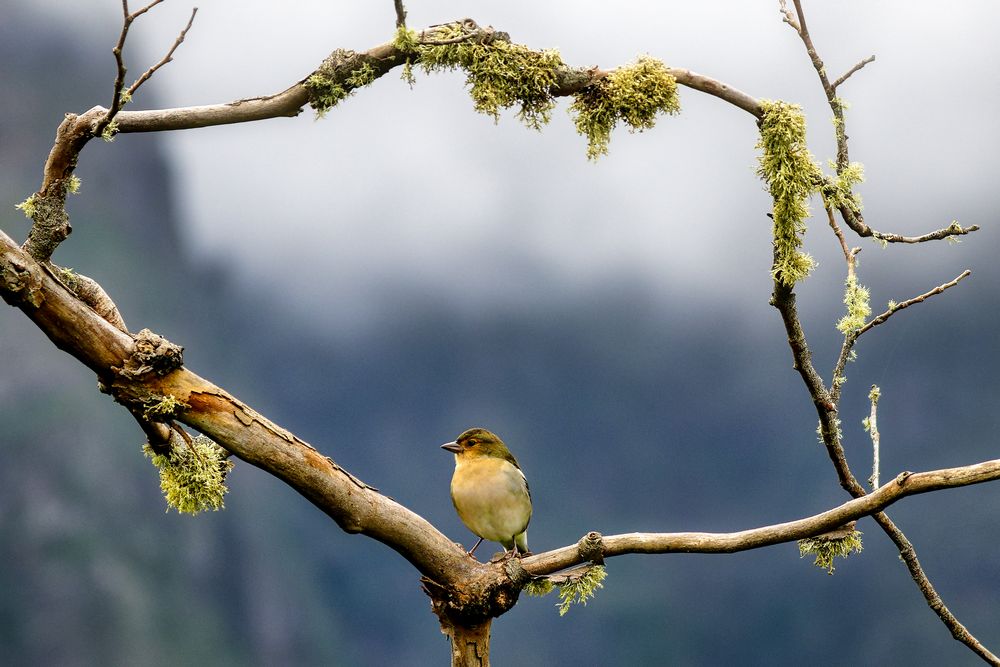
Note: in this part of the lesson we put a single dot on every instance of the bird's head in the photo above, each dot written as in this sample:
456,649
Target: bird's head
478,442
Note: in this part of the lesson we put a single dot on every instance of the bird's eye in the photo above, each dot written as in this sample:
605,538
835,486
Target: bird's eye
472,442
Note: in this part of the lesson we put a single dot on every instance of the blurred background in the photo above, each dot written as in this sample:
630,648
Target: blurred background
403,269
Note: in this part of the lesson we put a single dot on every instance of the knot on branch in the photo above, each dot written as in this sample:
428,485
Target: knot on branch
18,284
591,547
91,293
152,354
479,598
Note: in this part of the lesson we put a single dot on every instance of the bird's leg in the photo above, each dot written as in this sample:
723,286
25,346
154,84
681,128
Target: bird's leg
473,550
510,553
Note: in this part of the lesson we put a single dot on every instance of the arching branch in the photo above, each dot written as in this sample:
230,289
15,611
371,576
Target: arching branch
905,484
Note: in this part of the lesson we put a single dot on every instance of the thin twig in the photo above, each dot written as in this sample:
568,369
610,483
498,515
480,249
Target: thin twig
909,557
166,59
895,308
873,396
848,73
840,235
120,96
952,230
400,14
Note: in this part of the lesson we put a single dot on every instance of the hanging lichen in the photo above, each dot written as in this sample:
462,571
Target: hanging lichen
575,588
502,75
858,302
791,174
825,549
499,74
192,477
634,94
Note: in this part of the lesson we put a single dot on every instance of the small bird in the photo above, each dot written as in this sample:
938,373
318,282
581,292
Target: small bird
489,490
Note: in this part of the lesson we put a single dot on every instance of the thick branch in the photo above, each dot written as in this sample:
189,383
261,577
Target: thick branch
905,484
76,328
382,58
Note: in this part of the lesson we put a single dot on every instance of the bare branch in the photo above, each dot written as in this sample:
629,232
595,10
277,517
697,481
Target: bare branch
905,484
872,425
953,230
909,557
856,222
848,73
895,308
400,14
120,96
839,234
163,61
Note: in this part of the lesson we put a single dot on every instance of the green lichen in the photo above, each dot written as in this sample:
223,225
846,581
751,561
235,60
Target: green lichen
578,591
634,94
192,477
838,193
576,586
73,184
110,131
332,82
406,40
858,302
27,207
499,74
539,587
161,408
69,277
791,174
825,549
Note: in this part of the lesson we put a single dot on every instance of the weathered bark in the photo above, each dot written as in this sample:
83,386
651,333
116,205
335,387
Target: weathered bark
470,644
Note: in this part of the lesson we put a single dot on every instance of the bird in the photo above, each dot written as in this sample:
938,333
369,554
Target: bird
489,491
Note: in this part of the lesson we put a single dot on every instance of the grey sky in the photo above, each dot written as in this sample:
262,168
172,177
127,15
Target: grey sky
409,190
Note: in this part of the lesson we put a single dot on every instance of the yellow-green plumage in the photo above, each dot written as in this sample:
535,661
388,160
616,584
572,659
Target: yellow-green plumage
489,490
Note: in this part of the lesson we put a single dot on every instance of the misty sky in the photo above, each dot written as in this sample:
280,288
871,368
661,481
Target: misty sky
408,195
403,191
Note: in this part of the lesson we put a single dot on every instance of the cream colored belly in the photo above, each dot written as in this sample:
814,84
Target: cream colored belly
491,498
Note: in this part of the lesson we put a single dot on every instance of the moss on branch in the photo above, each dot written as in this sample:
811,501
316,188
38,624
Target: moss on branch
501,75
634,94
791,174
192,477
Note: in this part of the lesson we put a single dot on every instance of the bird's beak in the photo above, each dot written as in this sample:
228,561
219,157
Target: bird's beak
453,447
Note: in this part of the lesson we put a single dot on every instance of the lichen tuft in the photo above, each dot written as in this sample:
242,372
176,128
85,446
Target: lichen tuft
332,82
634,94
28,207
791,174
825,549
858,302
499,74
192,478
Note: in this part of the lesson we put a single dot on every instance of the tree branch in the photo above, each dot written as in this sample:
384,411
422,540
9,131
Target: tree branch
905,484
76,328
895,308
382,58
120,96
836,84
